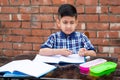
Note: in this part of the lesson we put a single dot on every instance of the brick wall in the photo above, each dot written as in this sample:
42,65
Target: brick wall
26,24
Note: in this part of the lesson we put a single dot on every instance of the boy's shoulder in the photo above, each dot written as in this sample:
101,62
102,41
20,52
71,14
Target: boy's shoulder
55,34
78,33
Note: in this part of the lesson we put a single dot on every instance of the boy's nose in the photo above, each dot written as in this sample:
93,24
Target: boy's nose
68,25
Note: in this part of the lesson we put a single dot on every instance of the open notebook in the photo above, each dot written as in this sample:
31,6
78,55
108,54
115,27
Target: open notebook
24,68
74,58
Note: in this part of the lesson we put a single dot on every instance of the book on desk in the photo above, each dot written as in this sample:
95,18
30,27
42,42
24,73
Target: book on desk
36,67
74,58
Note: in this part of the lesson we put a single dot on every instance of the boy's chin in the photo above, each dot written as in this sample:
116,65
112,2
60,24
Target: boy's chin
68,33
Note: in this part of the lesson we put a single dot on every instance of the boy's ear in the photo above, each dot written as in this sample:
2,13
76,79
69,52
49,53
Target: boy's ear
58,23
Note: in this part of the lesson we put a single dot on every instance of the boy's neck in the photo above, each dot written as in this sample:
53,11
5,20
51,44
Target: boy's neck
66,35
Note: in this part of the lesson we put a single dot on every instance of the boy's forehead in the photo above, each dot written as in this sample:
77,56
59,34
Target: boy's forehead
68,18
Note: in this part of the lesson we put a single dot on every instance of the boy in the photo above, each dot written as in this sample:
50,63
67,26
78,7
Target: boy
67,41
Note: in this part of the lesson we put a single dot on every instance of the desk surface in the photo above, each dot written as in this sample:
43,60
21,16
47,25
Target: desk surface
70,71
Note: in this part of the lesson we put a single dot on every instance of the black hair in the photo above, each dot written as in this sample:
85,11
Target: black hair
67,10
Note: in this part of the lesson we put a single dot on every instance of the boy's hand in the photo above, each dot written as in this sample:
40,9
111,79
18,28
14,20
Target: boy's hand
82,51
65,52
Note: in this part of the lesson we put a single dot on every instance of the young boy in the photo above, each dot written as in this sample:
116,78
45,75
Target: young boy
67,41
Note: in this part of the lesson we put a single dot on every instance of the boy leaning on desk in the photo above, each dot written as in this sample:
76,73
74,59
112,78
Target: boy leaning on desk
67,41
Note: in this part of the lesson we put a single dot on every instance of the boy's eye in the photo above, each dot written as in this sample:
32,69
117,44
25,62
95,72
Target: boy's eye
65,22
71,22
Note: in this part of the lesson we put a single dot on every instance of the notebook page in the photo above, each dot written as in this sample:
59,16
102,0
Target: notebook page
14,65
47,59
74,58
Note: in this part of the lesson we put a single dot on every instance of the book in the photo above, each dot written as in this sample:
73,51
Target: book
74,58
24,68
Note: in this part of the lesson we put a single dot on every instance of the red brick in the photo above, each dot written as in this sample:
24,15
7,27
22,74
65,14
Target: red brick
44,17
48,9
19,2
22,46
29,10
26,24
4,2
97,26
23,17
115,9
87,2
26,17
9,10
24,32
12,24
42,33
110,2
33,39
110,34
104,9
114,18
36,24
17,52
88,18
92,34
90,9
1,38
59,2
4,17
80,9
5,45
117,50
91,18
4,30
11,38
81,18
104,18
41,2
114,42
36,47
100,41
8,53
115,26
49,25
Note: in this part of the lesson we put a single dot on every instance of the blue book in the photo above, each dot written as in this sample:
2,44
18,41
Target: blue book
15,74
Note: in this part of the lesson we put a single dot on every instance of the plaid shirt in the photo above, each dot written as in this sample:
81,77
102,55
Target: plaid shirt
74,41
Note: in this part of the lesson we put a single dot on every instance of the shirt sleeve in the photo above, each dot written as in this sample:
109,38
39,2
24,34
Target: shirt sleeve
49,43
87,43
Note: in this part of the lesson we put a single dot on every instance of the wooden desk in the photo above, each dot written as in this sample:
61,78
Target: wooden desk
67,72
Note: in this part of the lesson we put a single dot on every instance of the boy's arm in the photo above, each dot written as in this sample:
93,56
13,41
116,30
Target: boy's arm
50,52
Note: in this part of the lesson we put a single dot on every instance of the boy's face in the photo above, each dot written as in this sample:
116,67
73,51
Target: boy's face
67,24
